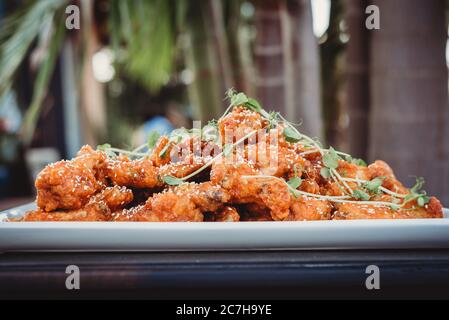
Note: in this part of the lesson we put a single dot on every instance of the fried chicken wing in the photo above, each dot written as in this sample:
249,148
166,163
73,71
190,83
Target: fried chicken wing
162,207
273,173
382,169
95,211
238,123
99,207
267,191
70,184
156,157
273,158
182,168
170,206
310,186
132,173
352,211
114,197
186,202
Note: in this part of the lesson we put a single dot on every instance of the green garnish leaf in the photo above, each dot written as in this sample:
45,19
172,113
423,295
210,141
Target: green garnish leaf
423,200
253,104
291,135
325,173
360,194
213,123
373,185
295,182
230,93
153,137
394,207
103,147
359,162
239,99
417,194
330,159
172,181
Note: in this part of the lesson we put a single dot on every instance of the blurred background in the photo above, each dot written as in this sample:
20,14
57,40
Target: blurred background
138,65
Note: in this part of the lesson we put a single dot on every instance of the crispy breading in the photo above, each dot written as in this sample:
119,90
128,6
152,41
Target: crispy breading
156,158
98,208
114,197
275,158
267,191
132,173
135,214
238,123
70,184
352,211
381,169
182,168
307,208
95,211
310,186
186,202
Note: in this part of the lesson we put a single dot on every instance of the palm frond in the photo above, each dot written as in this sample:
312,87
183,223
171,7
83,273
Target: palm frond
148,37
43,78
18,33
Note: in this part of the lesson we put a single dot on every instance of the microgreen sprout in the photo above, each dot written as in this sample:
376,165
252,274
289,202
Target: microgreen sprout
291,135
325,173
172,181
112,152
330,159
374,185
360,194
416,193
240,99
337,199
295,182
153,137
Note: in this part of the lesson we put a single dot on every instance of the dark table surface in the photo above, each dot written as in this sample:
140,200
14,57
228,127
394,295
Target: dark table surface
227,275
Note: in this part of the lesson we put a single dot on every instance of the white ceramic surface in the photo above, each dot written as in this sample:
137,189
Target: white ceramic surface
150,236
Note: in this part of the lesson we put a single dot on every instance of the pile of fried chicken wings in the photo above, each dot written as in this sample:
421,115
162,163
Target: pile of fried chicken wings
250,165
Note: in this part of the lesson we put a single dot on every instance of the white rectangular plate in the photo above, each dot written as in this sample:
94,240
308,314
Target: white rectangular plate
165,236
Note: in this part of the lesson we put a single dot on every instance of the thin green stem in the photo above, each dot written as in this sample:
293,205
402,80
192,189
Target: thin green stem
385,190
131,153
333,171
337,199
140,148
